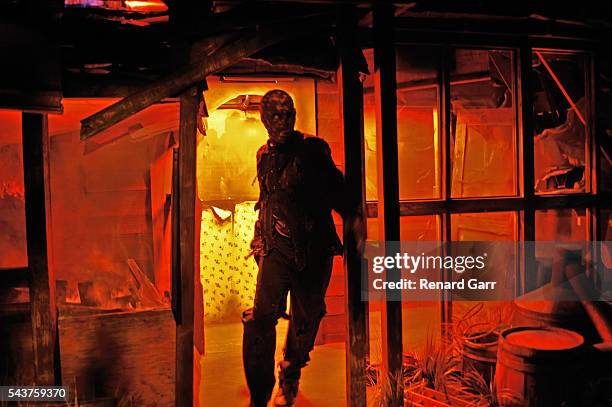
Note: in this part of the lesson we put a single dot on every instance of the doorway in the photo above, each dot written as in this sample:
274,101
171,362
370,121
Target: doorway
228,190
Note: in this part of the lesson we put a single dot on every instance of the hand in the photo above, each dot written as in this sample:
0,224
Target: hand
257,248
356,226
360,234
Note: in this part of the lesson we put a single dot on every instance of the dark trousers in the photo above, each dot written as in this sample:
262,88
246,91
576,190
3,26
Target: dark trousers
277,276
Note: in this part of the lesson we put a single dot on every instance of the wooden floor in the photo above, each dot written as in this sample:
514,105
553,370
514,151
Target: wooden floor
323,381
223,382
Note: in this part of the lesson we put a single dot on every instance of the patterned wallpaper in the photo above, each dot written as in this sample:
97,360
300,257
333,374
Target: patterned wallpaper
228,275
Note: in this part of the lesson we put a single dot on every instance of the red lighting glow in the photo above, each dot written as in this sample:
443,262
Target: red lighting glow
141,6
150,6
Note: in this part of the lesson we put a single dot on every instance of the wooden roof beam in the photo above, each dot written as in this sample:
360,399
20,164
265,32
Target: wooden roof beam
197,71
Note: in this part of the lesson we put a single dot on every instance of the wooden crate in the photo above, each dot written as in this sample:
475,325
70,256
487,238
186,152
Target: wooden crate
16,354
421,396
120,354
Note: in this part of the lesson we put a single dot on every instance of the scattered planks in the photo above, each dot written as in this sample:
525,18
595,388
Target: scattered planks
148,294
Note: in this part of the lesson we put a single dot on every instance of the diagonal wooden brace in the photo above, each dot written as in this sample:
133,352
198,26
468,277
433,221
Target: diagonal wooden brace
196,72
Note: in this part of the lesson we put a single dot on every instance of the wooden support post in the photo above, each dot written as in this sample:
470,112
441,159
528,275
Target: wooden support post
526,132
175,273
187,245
444,83
35,141
351,112
388,190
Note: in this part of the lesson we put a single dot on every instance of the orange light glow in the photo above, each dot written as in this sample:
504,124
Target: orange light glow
228,188
226,155
12,200
150,6
108,201
142,6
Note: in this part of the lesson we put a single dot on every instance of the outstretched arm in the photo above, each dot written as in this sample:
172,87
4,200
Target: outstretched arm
340,199
332,178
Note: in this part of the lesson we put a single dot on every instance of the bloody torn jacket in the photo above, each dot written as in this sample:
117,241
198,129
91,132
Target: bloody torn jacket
299,186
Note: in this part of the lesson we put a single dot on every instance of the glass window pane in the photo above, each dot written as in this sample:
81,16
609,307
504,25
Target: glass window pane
483,124
561,113
554,225
605,225
492,226
565,225
412,228
483,226
417,122
421,320
374,311
605,261
604,121
369,130
420,228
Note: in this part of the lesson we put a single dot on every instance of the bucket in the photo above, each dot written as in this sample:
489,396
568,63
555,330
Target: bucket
539,366
479,351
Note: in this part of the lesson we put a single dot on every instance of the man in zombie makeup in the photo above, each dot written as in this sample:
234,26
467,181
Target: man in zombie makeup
294,245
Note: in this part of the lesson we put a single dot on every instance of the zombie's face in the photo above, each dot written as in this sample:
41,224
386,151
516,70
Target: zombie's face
278,115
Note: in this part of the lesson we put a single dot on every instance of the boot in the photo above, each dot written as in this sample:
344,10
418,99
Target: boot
261,403
288,383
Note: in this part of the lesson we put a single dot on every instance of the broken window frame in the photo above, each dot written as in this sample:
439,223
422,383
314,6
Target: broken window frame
589,90
526,202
